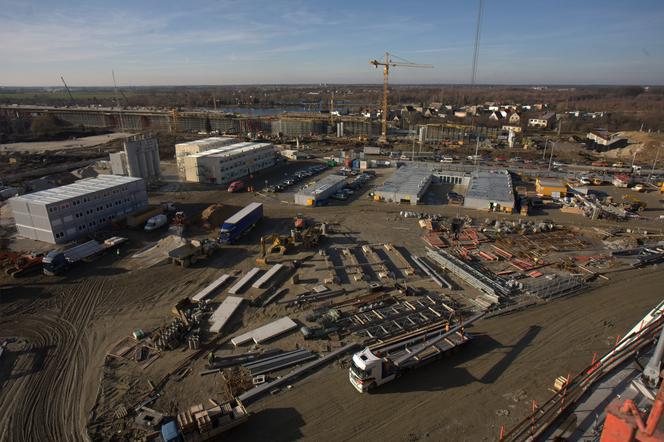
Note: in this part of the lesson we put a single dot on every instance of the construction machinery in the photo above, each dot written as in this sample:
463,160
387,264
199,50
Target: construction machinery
300,223
633,204
19,264
386,64
71,97
192,252
385,361
278,244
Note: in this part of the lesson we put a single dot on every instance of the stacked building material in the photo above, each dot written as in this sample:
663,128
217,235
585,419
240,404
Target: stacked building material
279,362
266,332
222,314
207,291
244,281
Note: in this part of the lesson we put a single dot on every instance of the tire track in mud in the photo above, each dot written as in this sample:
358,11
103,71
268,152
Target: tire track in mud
46,404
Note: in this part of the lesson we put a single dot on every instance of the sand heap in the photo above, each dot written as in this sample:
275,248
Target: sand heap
154,253
213,216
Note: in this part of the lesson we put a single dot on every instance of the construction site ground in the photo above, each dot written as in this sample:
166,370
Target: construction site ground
58,383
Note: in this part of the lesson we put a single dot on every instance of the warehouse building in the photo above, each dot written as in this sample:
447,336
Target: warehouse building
318,193
550,187
228,163
490,190
65,213
183,150
139,159
407,185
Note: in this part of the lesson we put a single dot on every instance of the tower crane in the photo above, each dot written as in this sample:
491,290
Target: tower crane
387,63
71,97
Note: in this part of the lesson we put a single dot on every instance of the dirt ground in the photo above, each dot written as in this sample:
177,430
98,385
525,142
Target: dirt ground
55,377
78,143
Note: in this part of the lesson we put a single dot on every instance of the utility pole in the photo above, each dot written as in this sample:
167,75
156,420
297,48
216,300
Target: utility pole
652,172
117,101
551,159
633,159
546,141
412,156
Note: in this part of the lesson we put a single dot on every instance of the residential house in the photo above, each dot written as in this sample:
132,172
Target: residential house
496,116
509,127
544,121
514,118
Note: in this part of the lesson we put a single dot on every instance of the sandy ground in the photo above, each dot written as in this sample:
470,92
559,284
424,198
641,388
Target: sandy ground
62,327
77,143
513,360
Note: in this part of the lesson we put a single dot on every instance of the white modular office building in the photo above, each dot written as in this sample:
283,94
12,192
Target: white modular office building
229,163
65,213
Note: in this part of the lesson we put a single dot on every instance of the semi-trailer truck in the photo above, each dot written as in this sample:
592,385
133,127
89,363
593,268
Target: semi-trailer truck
57,262
240,223
383,362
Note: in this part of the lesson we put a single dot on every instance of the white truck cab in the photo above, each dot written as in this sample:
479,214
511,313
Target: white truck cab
368,371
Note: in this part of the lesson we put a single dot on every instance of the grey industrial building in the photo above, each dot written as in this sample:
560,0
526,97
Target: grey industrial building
407,185
490,190
319,192
140,159
63,214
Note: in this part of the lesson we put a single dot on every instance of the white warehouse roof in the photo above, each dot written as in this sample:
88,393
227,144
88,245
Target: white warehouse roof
493,186
207,142
78,188
230,149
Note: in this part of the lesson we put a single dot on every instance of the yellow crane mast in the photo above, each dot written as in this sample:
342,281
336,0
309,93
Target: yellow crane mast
387,63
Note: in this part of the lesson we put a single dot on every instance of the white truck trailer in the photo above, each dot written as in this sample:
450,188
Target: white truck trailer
380,363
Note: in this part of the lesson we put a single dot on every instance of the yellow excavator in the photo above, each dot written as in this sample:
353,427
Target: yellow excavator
279,244
633,204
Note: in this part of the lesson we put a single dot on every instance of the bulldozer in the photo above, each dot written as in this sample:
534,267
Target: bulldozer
633,204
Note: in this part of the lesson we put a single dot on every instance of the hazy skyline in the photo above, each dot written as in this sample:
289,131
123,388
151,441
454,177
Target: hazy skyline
285,42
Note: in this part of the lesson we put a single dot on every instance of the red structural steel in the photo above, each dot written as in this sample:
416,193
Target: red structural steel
624,422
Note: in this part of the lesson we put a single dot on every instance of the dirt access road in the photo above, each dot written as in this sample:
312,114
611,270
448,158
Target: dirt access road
467,396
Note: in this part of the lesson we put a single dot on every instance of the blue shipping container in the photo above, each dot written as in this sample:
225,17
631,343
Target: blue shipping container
239,223
170,432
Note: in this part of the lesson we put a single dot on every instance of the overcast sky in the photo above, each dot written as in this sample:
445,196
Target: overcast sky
158,42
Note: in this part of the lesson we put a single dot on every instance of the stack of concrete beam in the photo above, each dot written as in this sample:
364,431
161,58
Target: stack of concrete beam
207,291
266,279
223,314
266,332
244,281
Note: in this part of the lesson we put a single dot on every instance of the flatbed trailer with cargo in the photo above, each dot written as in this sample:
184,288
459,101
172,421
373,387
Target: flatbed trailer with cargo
57,262
383,362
